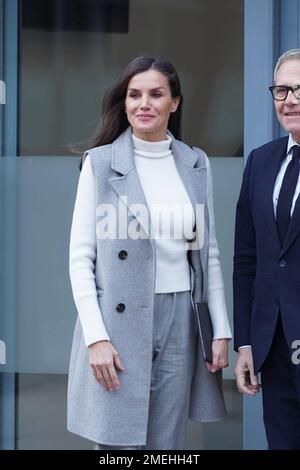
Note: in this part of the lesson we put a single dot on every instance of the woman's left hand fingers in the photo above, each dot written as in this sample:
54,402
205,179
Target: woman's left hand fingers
220,354
215,366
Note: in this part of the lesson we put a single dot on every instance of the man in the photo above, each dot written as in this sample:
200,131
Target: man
267,267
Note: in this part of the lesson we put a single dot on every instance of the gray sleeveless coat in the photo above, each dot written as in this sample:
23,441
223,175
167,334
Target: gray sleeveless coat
120,417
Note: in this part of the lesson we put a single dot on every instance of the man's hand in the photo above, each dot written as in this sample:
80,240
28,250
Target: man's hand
104,360
246,380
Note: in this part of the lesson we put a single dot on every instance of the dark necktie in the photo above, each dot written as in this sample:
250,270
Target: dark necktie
286,194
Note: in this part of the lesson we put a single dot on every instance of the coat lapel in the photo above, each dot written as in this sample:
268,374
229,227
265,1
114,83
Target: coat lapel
127,184
193,178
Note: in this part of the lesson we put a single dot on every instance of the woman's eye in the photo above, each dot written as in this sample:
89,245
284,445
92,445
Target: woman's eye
157,95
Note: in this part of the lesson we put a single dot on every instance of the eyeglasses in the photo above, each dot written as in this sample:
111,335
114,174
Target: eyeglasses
280,92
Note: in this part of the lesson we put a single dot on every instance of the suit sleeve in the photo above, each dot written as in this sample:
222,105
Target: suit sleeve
244,261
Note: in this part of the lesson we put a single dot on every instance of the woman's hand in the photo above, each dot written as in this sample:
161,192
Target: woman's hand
104,359
220,355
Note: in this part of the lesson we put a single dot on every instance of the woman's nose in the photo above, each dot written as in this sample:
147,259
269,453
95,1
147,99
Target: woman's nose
145,101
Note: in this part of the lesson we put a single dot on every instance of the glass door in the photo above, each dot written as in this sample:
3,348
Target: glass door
69,54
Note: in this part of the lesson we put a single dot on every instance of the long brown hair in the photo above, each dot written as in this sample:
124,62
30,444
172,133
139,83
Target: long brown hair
113,117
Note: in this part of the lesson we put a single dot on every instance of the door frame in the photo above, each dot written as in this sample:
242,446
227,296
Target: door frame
9,18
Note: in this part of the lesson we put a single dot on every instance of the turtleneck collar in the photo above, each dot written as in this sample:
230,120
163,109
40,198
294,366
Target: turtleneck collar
145,148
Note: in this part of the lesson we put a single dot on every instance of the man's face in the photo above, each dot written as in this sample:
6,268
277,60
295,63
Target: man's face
288,111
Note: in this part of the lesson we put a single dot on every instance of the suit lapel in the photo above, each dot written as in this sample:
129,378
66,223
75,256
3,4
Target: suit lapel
268,190
294,227
273,162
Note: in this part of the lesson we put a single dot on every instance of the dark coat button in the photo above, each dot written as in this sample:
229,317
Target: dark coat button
282,263
123,254
277,302
120,308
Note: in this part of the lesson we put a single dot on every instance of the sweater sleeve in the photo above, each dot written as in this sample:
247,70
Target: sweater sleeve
82,258
216,296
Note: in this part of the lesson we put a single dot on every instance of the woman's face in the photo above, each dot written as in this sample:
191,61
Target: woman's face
148,105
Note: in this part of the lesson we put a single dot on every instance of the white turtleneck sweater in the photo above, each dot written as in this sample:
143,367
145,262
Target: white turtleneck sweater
161,183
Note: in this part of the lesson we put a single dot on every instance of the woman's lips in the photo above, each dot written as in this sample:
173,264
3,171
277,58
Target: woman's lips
145,117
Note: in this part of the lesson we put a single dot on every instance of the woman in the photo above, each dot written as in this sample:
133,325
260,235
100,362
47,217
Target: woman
135,373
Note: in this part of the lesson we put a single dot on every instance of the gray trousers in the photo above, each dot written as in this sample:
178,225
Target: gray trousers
174,350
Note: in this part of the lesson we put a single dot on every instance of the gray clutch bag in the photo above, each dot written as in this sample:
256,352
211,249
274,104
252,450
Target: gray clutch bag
205,329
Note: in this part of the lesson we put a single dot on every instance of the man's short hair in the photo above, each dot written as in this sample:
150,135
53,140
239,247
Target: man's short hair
292,54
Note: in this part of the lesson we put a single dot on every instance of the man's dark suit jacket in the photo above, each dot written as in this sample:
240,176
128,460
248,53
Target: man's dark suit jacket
266,276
